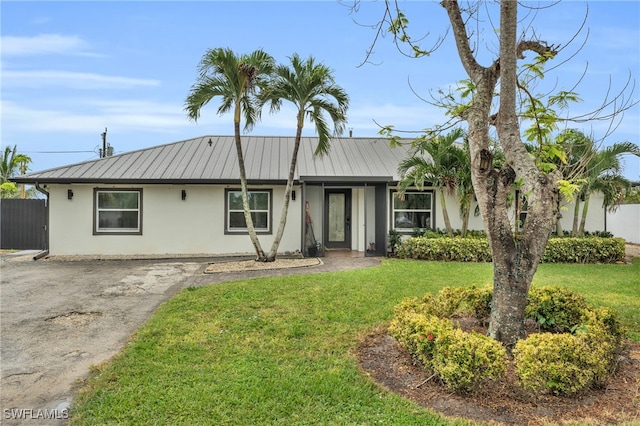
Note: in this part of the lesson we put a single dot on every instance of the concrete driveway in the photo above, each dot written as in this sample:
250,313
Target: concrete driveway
60,318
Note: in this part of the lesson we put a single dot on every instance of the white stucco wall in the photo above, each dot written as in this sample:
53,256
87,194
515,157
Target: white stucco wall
315,198
358,225
370,213
625,222
453,210
169,224
195,226
595,216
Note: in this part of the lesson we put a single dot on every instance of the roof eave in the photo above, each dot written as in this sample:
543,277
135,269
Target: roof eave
68,181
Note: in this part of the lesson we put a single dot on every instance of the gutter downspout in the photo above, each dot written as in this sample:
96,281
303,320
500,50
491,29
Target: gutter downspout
44,252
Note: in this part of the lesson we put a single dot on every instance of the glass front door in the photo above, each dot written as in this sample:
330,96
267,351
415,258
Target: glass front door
337,218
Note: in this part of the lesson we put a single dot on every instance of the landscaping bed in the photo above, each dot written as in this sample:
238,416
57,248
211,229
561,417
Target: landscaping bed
386,362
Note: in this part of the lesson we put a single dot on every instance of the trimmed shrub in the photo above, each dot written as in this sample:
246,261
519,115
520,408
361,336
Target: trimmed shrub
479,301
552,363
603,334
445,249
554,308
464,361
418,333
433,246
584,250
452,301
566,364
448,301
581,354
610,321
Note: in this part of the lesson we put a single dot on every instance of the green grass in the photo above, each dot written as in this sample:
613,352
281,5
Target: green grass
281,350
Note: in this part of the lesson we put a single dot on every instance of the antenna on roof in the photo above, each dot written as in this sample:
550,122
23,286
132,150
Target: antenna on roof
107,150
103,151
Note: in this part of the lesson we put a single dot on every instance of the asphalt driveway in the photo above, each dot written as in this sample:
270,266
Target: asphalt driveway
58,318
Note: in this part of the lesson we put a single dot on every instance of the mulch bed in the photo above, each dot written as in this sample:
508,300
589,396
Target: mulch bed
389,365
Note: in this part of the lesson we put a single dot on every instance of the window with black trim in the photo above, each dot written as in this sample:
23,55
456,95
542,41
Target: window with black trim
260,206
117,211
413,210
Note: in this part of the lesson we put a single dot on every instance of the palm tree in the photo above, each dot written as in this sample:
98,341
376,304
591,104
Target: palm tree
464,189
310,86
11,164
441,167
594,171
603,173
237,80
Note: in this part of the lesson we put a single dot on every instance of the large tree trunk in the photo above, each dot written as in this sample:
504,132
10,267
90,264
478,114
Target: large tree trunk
515,256
245,196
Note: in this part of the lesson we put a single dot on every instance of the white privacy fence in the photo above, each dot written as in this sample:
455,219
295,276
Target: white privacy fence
625,222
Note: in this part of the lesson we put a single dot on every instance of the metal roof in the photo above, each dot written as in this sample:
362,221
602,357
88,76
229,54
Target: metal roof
212,159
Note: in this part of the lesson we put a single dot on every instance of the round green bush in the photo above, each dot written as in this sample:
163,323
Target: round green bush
552,363
554,308
464,361
418,333
478,299
569,363
582,355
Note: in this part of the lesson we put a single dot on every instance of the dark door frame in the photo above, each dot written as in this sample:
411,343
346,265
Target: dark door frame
347,216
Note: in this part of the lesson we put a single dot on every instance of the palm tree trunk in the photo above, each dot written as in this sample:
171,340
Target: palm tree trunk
585,210
245,196
465,219
287,195
445,214
559,230
576,215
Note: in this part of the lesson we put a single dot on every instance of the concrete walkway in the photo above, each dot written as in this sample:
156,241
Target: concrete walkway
329,264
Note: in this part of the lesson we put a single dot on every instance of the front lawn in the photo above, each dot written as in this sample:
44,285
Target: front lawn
281,350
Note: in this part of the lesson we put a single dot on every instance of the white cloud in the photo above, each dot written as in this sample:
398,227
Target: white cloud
126,116
75,80
407,118
79,116
41,20
44,44
361,118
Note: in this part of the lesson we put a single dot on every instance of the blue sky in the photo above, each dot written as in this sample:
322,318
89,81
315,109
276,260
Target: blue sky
70,69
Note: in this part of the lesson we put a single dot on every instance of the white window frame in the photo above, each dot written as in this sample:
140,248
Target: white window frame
227,225
97,230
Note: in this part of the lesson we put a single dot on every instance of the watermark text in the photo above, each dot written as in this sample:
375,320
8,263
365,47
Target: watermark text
35,414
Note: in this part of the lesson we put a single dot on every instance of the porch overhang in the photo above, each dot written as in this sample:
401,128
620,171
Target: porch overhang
345,179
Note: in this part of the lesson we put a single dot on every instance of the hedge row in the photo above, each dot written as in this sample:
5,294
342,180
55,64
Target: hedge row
558,250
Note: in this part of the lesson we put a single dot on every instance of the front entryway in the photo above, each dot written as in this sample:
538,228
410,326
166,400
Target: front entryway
337,215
